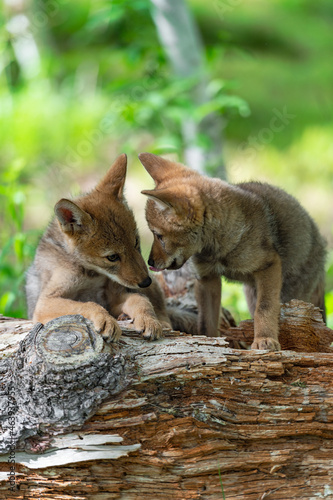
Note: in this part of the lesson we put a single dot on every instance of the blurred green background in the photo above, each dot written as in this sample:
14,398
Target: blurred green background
83,81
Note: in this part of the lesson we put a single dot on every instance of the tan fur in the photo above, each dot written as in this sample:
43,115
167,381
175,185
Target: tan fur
251,232
71,273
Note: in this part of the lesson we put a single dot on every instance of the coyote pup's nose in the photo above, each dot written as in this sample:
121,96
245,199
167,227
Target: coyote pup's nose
146,282
150,262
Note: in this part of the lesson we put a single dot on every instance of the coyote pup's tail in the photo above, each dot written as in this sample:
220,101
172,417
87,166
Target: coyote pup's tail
318,297
182,319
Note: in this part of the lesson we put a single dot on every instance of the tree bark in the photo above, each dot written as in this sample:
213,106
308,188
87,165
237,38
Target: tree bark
181,41
178,418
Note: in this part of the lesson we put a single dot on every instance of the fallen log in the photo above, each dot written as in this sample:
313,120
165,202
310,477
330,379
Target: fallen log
185,417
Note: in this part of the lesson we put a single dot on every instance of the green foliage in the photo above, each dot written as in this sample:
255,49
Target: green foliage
329,293
159,103
233,299
265,47
17,246
42,127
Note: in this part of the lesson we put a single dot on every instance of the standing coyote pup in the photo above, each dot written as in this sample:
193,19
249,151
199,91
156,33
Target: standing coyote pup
251,232
89,262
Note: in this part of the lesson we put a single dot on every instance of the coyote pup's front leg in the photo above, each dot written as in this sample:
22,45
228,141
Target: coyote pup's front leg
139,308
208,295
267,311
48,308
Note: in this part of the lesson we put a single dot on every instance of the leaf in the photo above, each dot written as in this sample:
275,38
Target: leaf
215,86
19,243
220,104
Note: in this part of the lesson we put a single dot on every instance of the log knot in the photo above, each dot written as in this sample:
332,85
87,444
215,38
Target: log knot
60,374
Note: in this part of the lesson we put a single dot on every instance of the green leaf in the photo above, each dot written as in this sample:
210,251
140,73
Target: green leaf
220,104
19,243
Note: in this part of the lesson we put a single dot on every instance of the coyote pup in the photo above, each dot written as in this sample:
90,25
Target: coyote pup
250,232
89,262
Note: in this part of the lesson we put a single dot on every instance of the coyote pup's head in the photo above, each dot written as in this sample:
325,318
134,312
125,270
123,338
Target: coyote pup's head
100,230
174,212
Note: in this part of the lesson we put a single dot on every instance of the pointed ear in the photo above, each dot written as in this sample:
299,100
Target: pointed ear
157,197
71,217
157,167
166,199
114,180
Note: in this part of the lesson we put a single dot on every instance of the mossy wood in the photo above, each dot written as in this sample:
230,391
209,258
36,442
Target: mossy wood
166,419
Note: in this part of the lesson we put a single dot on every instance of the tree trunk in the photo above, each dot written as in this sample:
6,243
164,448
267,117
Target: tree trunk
183,417
181,41
22,40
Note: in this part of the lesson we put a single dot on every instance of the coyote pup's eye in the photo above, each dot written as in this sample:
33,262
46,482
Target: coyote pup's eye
159,236
137,243
113,257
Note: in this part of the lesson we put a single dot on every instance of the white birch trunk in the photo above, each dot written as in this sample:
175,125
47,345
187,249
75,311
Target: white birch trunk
181,41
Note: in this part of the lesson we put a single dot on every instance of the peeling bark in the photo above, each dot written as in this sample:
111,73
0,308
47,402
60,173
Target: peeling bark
192,413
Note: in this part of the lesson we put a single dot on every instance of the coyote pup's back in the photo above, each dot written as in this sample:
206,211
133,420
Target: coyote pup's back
297,240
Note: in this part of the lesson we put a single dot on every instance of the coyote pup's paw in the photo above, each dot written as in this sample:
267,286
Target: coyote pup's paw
106,326
266,343
150,327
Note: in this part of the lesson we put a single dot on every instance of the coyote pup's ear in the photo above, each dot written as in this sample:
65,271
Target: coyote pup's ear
157,167
114,180
71,217
166,199
157,197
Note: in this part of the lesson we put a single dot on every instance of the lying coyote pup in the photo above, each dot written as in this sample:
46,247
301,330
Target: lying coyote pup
253,233
89,262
